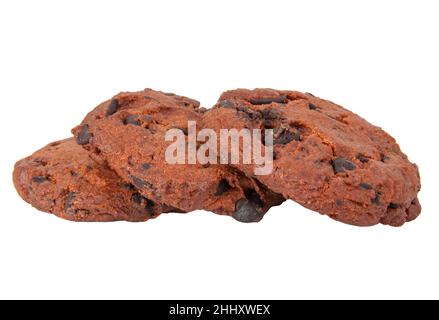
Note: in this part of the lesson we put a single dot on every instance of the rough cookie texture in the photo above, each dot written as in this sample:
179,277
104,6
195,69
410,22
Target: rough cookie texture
326,158
63,180
128,132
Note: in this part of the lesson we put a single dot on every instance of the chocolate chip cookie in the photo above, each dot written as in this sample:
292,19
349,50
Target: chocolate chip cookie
129,133
63,180
326,158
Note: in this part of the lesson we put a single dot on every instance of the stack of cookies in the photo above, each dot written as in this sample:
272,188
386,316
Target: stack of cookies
325,157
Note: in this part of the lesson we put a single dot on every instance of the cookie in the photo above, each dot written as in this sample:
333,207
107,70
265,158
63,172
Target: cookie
325,157
62,179
129,133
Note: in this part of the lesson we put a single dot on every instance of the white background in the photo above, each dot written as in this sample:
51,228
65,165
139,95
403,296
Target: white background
58,59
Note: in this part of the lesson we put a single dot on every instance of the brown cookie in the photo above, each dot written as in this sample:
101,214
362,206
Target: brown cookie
62,179
128,132
326,158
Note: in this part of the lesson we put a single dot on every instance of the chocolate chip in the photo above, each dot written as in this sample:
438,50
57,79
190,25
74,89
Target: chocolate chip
253,115
69,201
146,166
132,119
365,186
170,94
223,186
338,202
139,183
141,200
39,179
309,94
270,114
112,107
226,104
149,207
362,158
393,206
247,212
312,106
84,135
250,114
254,198
127,186
137,198
340,164
377,199
279,99
284,136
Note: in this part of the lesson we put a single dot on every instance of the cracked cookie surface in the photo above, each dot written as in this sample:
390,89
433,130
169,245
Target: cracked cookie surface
326,158
63,180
